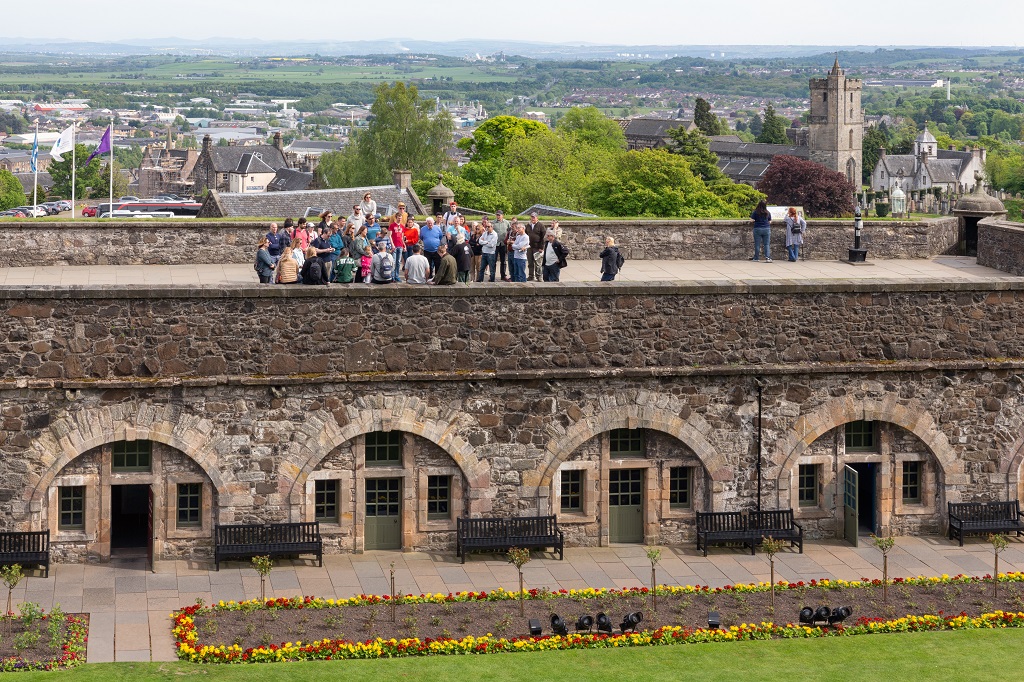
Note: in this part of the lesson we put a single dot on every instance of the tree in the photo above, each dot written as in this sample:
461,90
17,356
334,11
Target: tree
130,157
337,169
874,138
693,147
773,130
592,127
493,136
705,121
11,192
86,176
120,182
756,125
467,193
404,132
791,181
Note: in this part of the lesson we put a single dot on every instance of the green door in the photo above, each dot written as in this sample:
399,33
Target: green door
625,505
851,490
383,513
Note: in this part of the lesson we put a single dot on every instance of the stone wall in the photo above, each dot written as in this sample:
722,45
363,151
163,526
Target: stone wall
173,242
265,392
1001,245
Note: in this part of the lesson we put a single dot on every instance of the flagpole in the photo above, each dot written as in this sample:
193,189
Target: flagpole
35,169
111,209
73,124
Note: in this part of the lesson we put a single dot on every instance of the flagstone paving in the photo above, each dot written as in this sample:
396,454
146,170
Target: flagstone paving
129,606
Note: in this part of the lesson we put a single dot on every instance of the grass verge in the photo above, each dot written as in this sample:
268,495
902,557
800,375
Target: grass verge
923,656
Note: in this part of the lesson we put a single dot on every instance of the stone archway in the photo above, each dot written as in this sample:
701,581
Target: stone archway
1012,469
79,432
651,411
911,416
322,432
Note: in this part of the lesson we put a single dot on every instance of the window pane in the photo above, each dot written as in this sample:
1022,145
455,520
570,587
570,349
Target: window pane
680,486
72,507
807,491
626,442
132,455
861,435
439,497
190,504
325,494
384,448
912,482
572,490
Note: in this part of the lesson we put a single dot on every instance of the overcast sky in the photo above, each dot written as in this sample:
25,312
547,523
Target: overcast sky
609,22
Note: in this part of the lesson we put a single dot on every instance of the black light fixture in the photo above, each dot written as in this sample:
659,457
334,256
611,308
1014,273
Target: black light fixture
604,623
558,625
630,621
839,615
807,616
535,627
822,614
584,623
714,620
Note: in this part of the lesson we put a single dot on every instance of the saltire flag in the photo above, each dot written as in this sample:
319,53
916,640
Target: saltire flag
35,152
63,144
102,149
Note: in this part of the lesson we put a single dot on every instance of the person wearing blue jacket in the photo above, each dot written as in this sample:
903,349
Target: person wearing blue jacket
762,232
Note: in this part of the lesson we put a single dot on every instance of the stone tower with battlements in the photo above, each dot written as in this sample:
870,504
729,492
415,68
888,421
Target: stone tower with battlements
837,123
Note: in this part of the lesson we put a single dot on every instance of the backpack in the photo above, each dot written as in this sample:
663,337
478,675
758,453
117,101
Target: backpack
619,261
387,266
316,272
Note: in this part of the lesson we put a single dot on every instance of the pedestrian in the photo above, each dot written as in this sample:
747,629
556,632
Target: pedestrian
264,265
397,230
368,207
796,226
325,220
501,228
314,271
535,231
302,234
345,268
762,232
373,229
520,245
287,268
322,248
356,217
611,260
463,254
366,264
275,242
432,236
447,268
488,251
474,243
382,267
417,267
553,255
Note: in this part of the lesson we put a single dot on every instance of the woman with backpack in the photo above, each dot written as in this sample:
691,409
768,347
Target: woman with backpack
611,260
795,228
264,264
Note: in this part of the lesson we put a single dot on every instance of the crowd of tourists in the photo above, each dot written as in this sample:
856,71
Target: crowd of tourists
365,247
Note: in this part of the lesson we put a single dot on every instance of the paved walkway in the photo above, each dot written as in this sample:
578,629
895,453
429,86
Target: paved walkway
943,268
129,606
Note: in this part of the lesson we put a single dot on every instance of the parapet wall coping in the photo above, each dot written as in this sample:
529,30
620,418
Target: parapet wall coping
513,291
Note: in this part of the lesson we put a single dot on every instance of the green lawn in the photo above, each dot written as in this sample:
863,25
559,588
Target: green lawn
948,656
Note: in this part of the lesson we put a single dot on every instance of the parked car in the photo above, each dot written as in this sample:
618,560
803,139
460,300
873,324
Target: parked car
64,205
32,211
129,199
13,213
88,211
51,207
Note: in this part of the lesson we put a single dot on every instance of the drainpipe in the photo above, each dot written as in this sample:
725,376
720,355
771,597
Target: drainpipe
760,447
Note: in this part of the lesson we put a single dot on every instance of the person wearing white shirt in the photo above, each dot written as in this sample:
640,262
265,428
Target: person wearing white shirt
417,267
519,248
488,251
368,206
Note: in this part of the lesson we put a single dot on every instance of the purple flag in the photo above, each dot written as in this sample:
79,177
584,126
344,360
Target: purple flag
103,148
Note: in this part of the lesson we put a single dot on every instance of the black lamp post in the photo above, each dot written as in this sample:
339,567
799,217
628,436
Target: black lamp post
857,254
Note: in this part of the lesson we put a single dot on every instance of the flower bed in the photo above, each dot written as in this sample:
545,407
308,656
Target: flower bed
37,641
308,628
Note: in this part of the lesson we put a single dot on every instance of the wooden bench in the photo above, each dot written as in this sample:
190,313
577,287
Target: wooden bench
498,534
984,517
276,540
29,547
777,524
720,528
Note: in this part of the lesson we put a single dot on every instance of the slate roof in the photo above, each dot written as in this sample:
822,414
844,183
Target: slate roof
294,203
757,149
654,127
26,180
541,209
226,159
290,180
253,163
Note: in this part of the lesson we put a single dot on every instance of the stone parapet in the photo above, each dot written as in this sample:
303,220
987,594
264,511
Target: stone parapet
1001,245
173,242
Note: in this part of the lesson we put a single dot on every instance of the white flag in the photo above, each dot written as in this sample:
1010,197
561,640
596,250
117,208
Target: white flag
63,144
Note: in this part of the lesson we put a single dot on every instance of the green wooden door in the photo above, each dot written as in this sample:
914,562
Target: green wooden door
383,513
851,491
625,505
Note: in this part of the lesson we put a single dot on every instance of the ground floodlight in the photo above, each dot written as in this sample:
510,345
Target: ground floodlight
807,616
714,620
584,623
604,623
630,621
558,625
839,615
822,614
535,627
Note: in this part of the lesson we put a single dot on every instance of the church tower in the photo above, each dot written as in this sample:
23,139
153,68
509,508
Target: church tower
837,124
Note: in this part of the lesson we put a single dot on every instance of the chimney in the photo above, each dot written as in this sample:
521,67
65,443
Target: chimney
403,178
207,143
278,143
881,152
952,147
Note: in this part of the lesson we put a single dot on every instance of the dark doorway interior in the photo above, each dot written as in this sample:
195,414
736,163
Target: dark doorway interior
970,236
866,498
129,516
